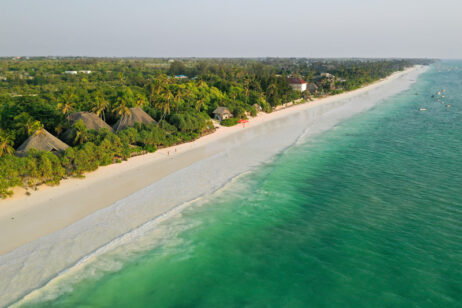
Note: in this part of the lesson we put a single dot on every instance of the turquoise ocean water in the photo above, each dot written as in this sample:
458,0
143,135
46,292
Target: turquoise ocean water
368,214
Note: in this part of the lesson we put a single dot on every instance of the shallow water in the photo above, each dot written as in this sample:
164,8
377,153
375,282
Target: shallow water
368,213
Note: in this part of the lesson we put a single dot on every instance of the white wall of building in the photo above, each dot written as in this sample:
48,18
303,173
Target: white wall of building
299,86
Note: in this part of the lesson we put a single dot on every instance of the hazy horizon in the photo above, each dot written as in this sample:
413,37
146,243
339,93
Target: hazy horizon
238,29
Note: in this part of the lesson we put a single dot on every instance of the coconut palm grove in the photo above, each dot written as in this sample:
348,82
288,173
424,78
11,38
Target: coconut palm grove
62,117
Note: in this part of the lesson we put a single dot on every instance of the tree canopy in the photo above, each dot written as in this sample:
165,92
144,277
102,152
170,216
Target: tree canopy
179,94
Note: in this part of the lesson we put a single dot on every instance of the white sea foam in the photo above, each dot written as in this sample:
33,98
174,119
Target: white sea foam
50,265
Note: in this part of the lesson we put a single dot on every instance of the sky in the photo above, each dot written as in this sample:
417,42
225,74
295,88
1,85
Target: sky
233,28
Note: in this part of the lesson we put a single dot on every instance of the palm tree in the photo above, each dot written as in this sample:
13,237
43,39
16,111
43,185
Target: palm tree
121,78
36,126
59,129
157,87
237,74
26,125
271,91
201,84
81,133
261,96
178,98
65,109
152,93
6,144
66,105
200,103
100,106
164,103
233,95
140,100
246,88
261,99
122,108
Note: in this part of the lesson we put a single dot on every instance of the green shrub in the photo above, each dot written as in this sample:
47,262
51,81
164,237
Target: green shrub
150,148
229,122
9,174
190,122
253,111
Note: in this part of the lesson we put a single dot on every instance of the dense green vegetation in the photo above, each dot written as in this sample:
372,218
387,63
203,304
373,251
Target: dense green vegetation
229,122
38,93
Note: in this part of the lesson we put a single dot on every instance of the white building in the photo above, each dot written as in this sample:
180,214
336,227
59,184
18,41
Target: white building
297,84
77,72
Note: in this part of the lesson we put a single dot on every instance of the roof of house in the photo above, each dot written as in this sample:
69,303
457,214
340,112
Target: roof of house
137,115
91,120
296,80
221,110
41,140
312,86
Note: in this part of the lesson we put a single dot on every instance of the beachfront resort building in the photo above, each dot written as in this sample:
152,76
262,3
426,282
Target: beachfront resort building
222,113
90,120
136,115
297,84
41,140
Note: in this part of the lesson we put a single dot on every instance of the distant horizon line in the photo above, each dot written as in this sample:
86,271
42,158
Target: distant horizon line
219,57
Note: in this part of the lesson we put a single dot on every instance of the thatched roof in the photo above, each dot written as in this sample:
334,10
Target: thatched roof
43,141
137,115
91,120
221,110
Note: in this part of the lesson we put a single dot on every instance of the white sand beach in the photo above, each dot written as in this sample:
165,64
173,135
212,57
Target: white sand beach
80,216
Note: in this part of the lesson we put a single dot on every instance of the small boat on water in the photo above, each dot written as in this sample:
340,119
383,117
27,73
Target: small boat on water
448,105
423,109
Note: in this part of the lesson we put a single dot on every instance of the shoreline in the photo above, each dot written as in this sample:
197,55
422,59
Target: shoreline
51,208
70,227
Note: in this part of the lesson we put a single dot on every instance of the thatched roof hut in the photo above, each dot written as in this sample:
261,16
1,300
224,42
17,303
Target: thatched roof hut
222,113
43,141
136,115
91,120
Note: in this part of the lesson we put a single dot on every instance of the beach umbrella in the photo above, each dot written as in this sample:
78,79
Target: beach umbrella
243,122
